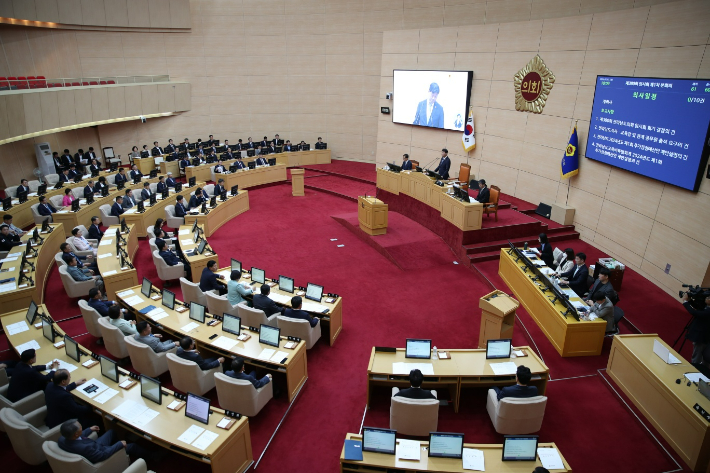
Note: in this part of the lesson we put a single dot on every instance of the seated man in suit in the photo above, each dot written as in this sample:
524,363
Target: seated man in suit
117,207
64,176
170,258
603,309
180,210
23,187
188,351
240,164
185,145
73,172
81,261
415,392
239,146
603,286
45,208
117,318
157,150
94,166
76,441
227,155
98,303
121,177
170,148
78,156
250,144
81,274
101,184
208,279
95,232
484,193
170,181
443,168
196,199
67,158
14,231
545,250
145,336
61,405
185,161
161,185
90,189
237,372
295,311
406,163
146,193
135,173
320,144
577,276
219,187
90,155
261,161
429,111
265,142
219,167
521,389
287,146
7,241
27,379
264,302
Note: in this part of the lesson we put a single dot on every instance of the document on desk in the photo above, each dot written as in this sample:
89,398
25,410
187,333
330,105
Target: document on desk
105,396
313,307
104,255
662,352
125,293
27,346
190,326
500,369
146,416
569,292
266,354
281,299
473,459
17,327
157,314
408,450
109,273
105,242
226,274
63,365
191,434
579,305
133,300
225,343
7,287
184,232
695,377
550,458
187,241
130,211
405,368
204,440
96,387
278,356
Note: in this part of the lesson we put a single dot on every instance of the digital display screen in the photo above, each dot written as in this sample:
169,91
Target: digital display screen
285,284
447,445
72,349
269,335
198,408
231,324
47,330
150,389
520,448
379,440
146,287
197,312
314,292
109,368
499,348
654,127
258,275
418,348
168,299
236,265
31,313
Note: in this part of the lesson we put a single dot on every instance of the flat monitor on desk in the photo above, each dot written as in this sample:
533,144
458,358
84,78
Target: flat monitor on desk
47,330
498,348
269,335
418,348
197,312
520,447
169,299
379,440
31,313
286,284
150,389
231,324
109,368
146,287
235,190
42,189
71,348
394,168
314,292
258,275
445,445
191,181
198,408
236,265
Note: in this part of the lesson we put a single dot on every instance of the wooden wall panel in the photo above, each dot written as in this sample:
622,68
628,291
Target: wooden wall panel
49,109
99,103
116,12
159,13
93,12
70,12
47,10
67,108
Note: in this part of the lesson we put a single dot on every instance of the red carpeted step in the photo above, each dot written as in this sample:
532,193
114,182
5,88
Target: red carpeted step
340,186
532,240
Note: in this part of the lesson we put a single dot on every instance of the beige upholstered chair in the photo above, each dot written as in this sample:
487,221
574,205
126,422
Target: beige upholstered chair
150,232
138,466
4,380
191,292
111,179
513,415
27,433
70,242
299,328
113,339
557,255
23,406
91,318
144,359
241,396
85,234
58,259
188,377
219,305
33,185
151,243
165,272
254,317
78,192
37,217
56,201
209,188
106,217
11,191
171,220
415,417
75,288
51,179
65,462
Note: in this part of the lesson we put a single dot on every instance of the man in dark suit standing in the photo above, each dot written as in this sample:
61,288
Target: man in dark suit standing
484,193
429,111
295,311
415,391
277,142
117,207
237,372
78,156
265,142
577,276
406,164
61,405
187,351
76,441
45,208
208,279
95,232
264,302
443,168
27,379
170,148
521,389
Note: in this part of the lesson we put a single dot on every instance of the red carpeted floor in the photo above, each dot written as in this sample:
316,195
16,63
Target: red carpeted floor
383,305
340,185
367,171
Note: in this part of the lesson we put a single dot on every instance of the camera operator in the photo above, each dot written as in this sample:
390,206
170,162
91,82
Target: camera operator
699,330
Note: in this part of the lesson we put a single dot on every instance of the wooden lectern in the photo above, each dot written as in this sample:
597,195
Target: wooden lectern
297,182
372,214
497,317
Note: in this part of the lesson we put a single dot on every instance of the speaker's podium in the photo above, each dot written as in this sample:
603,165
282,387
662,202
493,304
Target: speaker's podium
497,317
372,215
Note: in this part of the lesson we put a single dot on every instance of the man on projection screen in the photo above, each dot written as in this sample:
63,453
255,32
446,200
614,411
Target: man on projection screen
429,112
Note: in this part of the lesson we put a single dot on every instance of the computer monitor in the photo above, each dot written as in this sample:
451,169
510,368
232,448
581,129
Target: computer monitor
146,287
418,348
124,226
236,265
233,168
269,335
314,292
195,237
235,190
445,445
223,195
153,199
75,206
272,161
285,284
194,226
72,348
231,324
520,447
201,247
195,162
144,154
150,389
213,201
197,312
41,190
379,440
109,368
89,199
141,207
31,313
499,348
45,224
191,182
47,330
77,178
198,408
169,299
137,180
104,192
166,193
153,173
178,187
22,196
258,275
251,165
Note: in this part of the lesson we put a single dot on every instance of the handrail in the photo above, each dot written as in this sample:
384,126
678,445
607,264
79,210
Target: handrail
40,82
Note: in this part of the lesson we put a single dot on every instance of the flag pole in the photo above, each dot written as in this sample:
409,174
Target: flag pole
569,179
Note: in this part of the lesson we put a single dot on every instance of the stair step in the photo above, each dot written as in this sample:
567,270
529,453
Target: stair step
482,248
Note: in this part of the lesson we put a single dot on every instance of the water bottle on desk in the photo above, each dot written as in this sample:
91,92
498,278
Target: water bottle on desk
436,353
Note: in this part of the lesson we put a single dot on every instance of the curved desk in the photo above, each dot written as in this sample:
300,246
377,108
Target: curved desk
224,212
197,262
115,277
229,452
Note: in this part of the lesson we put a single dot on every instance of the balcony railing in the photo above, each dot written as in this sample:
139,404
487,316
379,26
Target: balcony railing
40,82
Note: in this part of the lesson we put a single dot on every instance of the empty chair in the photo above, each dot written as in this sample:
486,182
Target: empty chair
299,328
78,192
56,201
113,339
62,462
84,83
91,318
618,315
51,179
516,415
191,292
209,188
33,185
24,405
27,433
241,396
219,305
102,82
254,317
93,83
144,359
111,82
106,217
166,272
171,220
415,417
557,255
11,191
4,380
76,84
464,175
75,288
188,377
138,466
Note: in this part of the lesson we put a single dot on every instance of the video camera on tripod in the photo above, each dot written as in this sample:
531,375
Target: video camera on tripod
696,295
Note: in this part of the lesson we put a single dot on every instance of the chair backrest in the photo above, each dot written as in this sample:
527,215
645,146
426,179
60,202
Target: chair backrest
254,317
51,179
241,396
78,192
65,462
151,233
186,376
144,359
113,339
299,328
495,195
106,217
464,173
59,260
151,242
516,415
74,288
70,242
26,439
56,200
91,318
34,185
415,417
191,292
11,191
209,188
219,305
4,380
557,255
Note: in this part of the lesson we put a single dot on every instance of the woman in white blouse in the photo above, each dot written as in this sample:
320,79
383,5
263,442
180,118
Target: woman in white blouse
81,243
567,262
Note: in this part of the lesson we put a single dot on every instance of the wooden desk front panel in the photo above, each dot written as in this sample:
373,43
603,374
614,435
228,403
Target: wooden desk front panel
389,181
304,158
224,212
650,384
255,177
142,222
170,166
121,279
145,165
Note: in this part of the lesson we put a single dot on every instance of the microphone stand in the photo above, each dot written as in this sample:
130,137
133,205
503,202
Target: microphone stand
431,162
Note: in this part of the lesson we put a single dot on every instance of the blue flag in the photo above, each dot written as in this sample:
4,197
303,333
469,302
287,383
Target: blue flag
570,162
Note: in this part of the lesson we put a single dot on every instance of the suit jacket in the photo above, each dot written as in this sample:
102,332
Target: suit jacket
135,174
201,362
100,306
116,209
169,149
184,163
436,119
321,145
88,192
27,380
195,201
250,145
65,177
219,168
288,147
407,165
261,162
258,383
517,391
208,280
415,393
301,314
443,168
128,202
277,142
66,160
240,164
145,194
155,343
46,209
161,187
120,178
699,328
218,189
77,273
605,311
124,326
93,168
577,283
180,209
61,405
23,189
170,258
262,302
170,182
7,243
90,449
95,232
546,254
156,151
484,196
228,155
606,289
89,155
